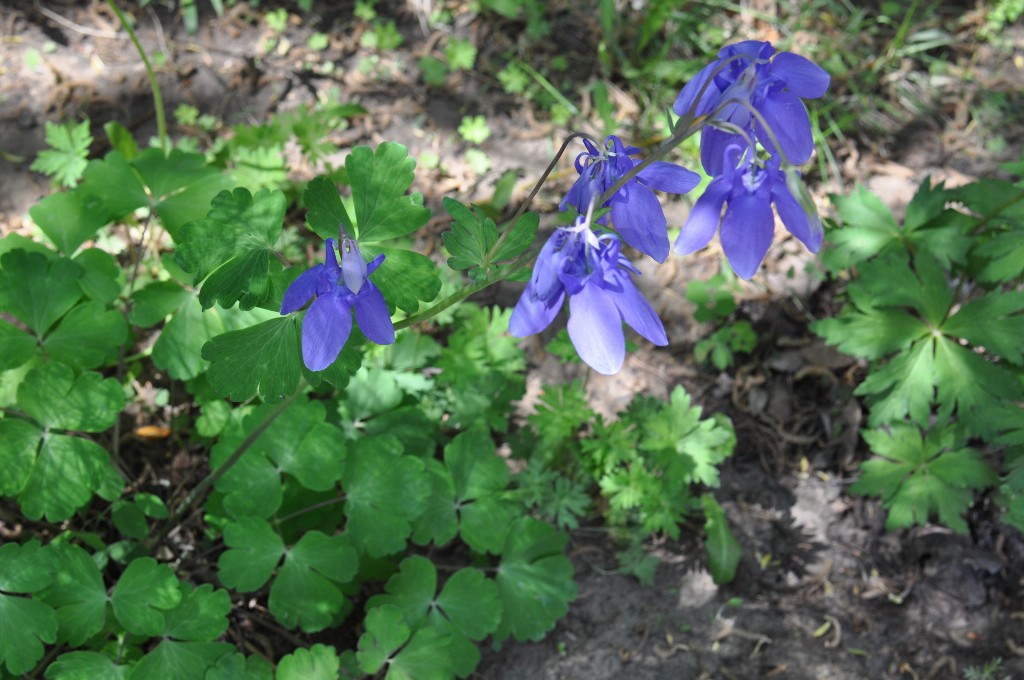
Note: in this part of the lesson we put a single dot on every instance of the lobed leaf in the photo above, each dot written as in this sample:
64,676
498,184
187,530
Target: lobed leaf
379,182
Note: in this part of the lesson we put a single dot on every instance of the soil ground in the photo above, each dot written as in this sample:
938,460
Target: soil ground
822,591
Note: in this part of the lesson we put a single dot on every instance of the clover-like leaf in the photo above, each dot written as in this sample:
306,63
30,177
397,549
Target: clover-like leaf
438,522
480,477
379,182
319,662
143,594
88,336
77,593
254,552
534,580
25,624
384,491
231,250
38,290
305,592
85,666
56,399
173,660
238,667
201,616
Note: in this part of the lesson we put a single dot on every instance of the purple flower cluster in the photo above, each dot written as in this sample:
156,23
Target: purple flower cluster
757,131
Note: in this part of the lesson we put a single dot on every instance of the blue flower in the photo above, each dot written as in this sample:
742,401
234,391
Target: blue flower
335,292
747,74
747,188
597,279
635,211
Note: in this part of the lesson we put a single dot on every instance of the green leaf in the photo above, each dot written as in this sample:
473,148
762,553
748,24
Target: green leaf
480,476
231,250
425,657
155,302
471,238
65,160
116,184
142,595
85,666
254,552
439,522
172,660
101,279
871,333
69,218
386,631
404,278
535,580
182,186
18,346
522,235
722,547
326,213
319,662
19,442
263,359
88,336
77,593
411,590
66,473
973,387
178,350
37,290
239,667
918,475
868,229
305,592
25,624
201,616
470,601
993,322
379,182
1004,255
384,492
56,399
903,387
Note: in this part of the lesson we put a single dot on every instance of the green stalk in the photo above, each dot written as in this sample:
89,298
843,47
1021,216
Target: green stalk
223,468
158,100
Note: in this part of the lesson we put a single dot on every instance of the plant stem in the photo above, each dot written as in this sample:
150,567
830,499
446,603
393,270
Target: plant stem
158,100
222,469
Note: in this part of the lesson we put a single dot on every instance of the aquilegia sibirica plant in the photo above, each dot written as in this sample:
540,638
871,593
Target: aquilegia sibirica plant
755,128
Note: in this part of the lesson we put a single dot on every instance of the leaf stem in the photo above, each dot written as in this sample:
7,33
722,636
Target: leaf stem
158,100
223,468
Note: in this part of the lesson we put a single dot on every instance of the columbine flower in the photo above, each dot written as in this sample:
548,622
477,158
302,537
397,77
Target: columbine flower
747,188
597,278
635,211
336,291
747,73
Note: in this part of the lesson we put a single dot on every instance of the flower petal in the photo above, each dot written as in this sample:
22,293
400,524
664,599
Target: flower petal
325,329
786,116
714,145
803,77
637,216
301,289
595,329
372,315
704,218
747,231
636,311
669,177
702,86
532,314
804,226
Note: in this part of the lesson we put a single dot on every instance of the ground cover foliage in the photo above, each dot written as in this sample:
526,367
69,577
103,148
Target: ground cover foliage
364,511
